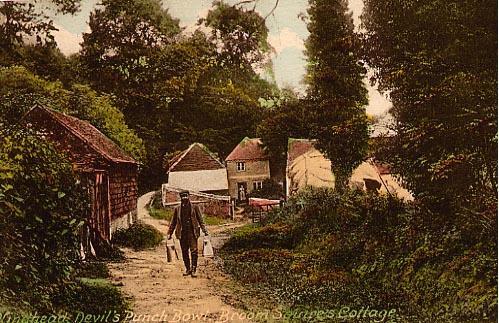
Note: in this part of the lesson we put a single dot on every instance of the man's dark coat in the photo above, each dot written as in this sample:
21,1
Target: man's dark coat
197,222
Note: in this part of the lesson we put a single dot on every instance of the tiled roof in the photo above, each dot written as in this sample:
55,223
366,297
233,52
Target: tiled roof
248,149
90,135
196,157
298,147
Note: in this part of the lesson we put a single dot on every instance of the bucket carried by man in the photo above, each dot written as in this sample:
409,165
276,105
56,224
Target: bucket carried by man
207,247
171,250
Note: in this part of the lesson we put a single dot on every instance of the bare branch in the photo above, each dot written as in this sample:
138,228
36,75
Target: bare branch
272,11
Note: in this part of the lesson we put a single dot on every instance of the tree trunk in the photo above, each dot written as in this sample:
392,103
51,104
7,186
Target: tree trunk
340,180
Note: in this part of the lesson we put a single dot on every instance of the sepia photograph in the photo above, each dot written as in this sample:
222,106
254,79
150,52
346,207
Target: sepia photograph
248,161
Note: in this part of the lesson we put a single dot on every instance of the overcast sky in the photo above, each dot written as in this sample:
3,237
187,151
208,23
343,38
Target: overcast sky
287,35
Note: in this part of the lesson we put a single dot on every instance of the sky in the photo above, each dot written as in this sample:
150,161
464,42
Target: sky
287,33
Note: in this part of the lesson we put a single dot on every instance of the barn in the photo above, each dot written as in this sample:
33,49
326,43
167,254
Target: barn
109,173
197,169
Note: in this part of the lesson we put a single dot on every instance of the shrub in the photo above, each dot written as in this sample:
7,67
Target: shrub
253,236
93,296
270,190
42,207
93,269
358,249
138,236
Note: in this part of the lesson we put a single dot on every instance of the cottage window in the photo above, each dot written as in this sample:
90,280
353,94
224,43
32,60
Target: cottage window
257,185
241,166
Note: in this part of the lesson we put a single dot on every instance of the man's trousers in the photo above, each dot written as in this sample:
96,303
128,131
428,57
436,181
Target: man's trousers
189,243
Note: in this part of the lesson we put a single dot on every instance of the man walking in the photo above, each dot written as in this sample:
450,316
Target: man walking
186,221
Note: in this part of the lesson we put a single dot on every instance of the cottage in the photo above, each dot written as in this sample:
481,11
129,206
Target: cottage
247,168
109,173
197,169
307,166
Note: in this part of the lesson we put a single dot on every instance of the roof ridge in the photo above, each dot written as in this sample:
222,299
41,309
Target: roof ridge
56,114
181,157
209,152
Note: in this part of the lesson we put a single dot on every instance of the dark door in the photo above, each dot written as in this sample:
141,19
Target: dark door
100,204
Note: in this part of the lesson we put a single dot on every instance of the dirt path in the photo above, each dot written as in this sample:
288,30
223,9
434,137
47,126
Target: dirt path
160,293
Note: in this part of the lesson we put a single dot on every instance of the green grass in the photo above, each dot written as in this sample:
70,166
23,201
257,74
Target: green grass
160,213
167,214
213,220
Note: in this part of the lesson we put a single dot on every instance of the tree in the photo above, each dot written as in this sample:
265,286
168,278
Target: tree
124,35
27,22
172,88
42,209
438,60
289,118
242,34
335,89
20,90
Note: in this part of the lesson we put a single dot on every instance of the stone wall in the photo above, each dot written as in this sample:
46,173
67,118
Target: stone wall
255,171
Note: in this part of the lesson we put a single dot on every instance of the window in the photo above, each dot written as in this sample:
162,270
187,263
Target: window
241,167
257,185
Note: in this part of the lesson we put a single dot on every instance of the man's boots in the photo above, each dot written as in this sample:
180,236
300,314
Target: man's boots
194,256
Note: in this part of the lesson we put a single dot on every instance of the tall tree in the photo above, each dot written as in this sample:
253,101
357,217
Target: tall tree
288,118
124,34
438,60
27,23
335,87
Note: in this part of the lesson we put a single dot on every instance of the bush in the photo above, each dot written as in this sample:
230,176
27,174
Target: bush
138,236
270,190
93,269
42,208
93,296
358,249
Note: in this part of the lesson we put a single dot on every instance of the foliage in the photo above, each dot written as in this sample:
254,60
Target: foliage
42,208
289,119
124,34
325,249
22,21
20,90
242,34
83,296
92,269
438,60
270,190
175,89
138,236
336,90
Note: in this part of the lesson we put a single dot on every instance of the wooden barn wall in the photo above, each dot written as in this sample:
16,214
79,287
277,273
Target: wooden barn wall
123,189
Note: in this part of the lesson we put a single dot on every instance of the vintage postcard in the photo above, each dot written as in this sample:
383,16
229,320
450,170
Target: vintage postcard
248,161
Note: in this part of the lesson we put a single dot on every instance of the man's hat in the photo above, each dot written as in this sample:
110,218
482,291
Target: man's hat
184,193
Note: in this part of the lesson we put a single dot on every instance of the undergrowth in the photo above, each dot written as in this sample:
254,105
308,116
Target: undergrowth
324,252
